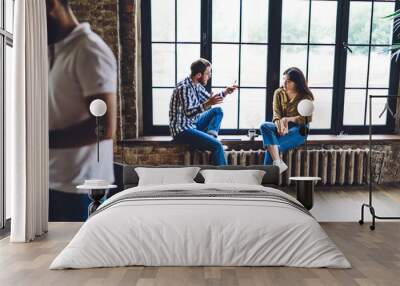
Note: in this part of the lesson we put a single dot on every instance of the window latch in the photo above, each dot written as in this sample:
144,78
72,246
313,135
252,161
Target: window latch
346,46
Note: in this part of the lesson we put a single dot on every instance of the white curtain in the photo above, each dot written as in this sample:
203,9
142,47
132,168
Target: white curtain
27,124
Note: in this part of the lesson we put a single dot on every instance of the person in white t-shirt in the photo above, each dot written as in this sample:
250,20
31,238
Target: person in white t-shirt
81,68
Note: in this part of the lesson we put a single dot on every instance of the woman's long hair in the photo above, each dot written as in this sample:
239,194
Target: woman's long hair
296,75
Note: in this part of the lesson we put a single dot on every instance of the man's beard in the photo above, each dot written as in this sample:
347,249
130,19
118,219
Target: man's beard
203,81
53,30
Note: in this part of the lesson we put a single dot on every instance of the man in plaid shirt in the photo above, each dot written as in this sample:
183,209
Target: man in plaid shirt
192,120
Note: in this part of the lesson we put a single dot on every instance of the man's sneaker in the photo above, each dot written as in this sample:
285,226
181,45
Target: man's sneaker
213,133
282,166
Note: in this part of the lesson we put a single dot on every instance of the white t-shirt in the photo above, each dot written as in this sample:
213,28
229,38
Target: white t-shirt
83,65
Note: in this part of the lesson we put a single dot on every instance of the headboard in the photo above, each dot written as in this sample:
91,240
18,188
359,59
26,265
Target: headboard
126,177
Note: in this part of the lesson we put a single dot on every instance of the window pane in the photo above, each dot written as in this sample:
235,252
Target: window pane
294,56
354,107
163,64
323,22
252,107
225,59
321,74
9,13
9,56
378,106
295,21
163,20
379,67
253,65
357,66
323,109
8,89
161,98
187,54
188,20
230,107
382,28
225,20
255,21
359,22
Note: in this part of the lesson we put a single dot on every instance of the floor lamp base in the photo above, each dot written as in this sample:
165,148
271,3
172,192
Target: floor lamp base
374,216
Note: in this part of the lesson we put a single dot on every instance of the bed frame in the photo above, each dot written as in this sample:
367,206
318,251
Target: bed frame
126,177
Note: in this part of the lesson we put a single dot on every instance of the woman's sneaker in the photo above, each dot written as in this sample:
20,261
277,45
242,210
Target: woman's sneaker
281,165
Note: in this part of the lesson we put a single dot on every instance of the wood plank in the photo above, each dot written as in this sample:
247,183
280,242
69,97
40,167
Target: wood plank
375,256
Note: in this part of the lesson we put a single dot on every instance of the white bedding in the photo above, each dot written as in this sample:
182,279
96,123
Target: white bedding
192,231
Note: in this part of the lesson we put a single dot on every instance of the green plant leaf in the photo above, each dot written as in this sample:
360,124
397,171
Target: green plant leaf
395,14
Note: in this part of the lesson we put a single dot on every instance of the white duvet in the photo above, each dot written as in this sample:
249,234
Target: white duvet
200,231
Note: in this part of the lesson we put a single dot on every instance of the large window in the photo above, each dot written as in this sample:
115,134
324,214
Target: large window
6,65
340,45
175,44
239,53
369,63
308,40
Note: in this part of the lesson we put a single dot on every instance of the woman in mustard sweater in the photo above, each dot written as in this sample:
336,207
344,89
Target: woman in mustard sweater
283,133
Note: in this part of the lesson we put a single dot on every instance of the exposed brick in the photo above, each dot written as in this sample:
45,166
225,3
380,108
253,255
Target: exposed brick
163,154
127,68
114,21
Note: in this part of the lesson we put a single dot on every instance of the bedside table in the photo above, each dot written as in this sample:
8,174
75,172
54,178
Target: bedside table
305,190
95,193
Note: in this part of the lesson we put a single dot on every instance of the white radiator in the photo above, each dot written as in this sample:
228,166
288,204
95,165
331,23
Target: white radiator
334,166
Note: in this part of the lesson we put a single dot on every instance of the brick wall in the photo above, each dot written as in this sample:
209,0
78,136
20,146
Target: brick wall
127,41
154,154
166,153
102,16
114,21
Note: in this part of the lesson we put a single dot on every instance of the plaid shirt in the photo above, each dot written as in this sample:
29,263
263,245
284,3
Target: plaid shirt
187,103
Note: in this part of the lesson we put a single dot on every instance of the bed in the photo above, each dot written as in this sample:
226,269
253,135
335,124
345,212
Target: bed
198,224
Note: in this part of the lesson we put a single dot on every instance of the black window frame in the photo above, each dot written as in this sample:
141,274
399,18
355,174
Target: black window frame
389,127
273,67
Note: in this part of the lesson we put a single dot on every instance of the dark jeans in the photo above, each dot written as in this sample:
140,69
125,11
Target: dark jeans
286,142
209,120
65,206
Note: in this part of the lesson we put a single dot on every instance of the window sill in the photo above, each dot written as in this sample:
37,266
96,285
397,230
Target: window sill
234,140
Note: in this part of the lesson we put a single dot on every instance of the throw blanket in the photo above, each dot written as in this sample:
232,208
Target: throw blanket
206,194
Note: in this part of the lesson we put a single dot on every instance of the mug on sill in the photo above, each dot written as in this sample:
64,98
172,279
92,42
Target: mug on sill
252,133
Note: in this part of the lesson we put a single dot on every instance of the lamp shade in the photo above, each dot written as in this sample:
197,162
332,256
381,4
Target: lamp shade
305,107
98,107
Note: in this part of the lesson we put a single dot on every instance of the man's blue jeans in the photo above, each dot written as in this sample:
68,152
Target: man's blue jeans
64,206
286,142
209,120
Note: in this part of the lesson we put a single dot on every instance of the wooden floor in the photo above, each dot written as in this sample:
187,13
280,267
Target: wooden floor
344,203
374,255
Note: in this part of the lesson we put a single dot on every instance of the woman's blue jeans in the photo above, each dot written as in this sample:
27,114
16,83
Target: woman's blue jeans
286,142
197,138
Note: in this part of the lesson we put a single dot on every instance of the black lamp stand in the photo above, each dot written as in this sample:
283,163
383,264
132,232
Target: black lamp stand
304,130
370,205
99,134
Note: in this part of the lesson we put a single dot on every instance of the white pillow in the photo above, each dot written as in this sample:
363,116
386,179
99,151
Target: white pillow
166,176
248,177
